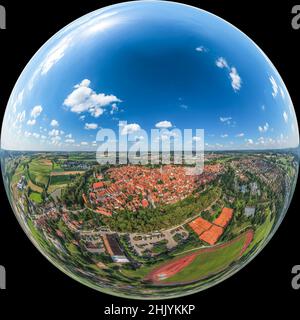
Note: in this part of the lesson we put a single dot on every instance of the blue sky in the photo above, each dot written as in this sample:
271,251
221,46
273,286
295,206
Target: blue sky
153,64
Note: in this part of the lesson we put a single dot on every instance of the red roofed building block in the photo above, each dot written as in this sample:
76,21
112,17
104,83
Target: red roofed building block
212,235
200,225
103,211
98,185
224,217
145,203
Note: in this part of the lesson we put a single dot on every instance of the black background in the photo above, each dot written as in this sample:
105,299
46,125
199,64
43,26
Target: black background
263,286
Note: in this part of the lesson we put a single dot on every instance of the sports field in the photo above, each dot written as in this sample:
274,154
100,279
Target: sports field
201,263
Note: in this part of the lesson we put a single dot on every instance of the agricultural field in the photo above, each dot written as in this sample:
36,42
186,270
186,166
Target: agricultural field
36,197
39,171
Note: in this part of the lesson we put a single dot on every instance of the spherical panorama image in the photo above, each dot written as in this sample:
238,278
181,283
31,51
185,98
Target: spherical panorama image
150,150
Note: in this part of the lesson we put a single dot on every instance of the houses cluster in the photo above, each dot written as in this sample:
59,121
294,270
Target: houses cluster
210,232
134,187
75,165
73,225
21,185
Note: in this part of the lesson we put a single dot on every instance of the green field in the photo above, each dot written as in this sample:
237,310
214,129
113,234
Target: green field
36,197
39,171
261,233
60,180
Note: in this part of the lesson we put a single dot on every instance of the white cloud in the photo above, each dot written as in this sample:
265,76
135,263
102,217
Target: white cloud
31,122
239,135
221,63
84,143
55,55
96,112
264,128
21,116
201,49
274,86
55,139
83,99
114,108
164,124
18,101
184,106
91,126
81,118
36,111
27,134
249,141
285,117
43,137
196,138
68,136
70,141
225,119
53,133
236,81
130,128
36,135
282,93
224,135
54,123
263,107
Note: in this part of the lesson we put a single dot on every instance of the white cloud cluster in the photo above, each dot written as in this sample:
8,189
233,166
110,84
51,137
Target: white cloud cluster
240,135
264,128
163,124
84,99
18,101
55,55
226,119
285,117
221,63
274,86
34,114
236,81
54,133
130,128
36,111
31,122
54,123
70,141
91,126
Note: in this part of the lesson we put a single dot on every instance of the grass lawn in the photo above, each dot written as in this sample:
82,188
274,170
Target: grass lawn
36,197
261,233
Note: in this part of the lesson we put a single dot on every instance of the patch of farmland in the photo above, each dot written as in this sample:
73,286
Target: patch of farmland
65,173
39,171
36,197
